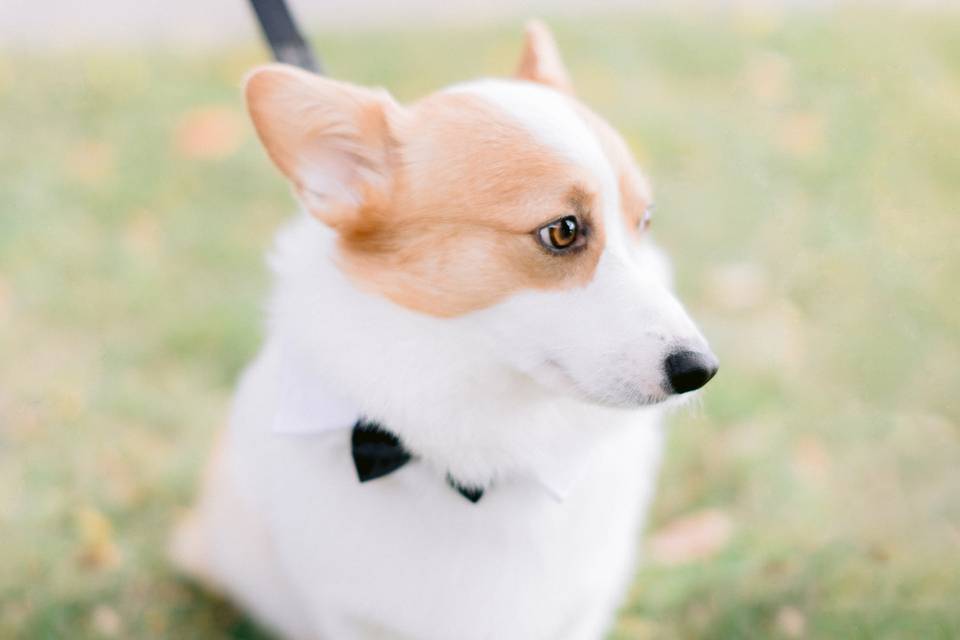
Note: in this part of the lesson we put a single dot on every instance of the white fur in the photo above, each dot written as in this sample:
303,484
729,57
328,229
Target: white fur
514,398
615,332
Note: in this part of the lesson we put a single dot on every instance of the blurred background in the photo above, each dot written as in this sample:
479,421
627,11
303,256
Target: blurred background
807,162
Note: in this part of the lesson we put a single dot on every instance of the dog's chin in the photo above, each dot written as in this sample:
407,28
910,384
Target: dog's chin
617,394
638,400
624,399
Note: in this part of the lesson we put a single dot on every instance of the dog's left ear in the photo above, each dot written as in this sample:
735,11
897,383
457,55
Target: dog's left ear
541,61
331,139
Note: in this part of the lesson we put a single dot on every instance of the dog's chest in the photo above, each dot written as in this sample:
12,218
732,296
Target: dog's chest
407,555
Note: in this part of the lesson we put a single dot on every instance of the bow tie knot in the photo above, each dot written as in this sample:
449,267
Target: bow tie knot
378,452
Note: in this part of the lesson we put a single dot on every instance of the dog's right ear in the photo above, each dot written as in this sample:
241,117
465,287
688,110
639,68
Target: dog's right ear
331,139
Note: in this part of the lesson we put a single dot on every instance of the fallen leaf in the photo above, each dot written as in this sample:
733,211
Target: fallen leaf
637,628
791,622
69,403
693,537
811,460
91,162
122,480
768,77
142,235
106,621
801,134
97,547
209,133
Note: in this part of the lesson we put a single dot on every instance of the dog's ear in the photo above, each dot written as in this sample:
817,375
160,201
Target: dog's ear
541,61
331,139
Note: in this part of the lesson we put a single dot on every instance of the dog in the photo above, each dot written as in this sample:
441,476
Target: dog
453,427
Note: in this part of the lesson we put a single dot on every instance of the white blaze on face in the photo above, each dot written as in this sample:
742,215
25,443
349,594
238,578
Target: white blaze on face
550,117
606,341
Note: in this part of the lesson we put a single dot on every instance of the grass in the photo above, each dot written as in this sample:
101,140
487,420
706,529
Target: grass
808,180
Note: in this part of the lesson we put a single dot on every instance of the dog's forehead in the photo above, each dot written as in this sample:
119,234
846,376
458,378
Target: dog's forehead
572,132
508,154
549,116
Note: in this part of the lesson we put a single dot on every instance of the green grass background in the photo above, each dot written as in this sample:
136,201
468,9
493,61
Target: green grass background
808,175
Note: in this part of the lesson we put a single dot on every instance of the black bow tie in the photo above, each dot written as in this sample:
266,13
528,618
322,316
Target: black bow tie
377,453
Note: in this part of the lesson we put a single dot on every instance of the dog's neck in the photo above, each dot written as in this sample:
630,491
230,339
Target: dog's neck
435,383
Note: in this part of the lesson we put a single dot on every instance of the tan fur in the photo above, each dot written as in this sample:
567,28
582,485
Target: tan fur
540,61
313,126
437,205
471,189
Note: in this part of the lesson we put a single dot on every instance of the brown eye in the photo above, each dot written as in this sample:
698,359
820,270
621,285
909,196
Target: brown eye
562,234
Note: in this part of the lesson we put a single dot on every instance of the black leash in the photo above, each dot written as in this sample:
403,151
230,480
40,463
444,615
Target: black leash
282,35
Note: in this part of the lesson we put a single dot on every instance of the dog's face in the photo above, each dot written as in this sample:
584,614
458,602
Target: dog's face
504,205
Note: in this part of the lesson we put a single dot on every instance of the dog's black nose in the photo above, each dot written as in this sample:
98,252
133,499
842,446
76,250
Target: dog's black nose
690,370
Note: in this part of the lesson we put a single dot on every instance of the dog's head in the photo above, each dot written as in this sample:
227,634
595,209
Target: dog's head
504,205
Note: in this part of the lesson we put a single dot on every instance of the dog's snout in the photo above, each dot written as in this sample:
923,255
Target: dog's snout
690,370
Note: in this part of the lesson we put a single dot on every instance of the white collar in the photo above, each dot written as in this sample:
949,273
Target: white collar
307,407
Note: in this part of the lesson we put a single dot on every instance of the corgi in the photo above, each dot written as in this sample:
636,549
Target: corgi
453,427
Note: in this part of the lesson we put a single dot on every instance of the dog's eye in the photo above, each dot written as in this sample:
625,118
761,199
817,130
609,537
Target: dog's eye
645,219
562,235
